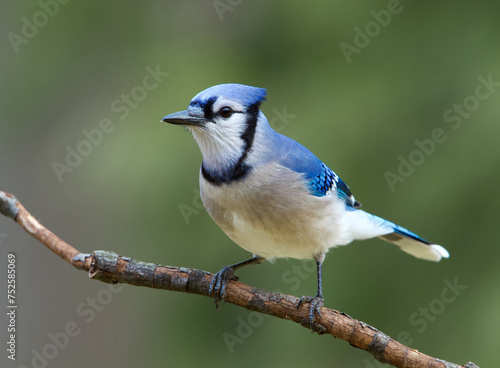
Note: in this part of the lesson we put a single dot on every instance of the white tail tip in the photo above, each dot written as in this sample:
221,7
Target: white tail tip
440,250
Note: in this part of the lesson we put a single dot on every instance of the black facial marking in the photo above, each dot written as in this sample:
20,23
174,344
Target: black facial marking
207,108
248,135
240,169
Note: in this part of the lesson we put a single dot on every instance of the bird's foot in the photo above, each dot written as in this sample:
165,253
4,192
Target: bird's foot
219,283
315,304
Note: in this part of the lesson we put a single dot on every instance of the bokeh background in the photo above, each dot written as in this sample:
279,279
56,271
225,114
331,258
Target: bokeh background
134,191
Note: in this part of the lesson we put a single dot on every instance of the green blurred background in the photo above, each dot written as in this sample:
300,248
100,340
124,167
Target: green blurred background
360,117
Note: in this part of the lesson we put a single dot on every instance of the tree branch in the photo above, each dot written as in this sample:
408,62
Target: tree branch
112,268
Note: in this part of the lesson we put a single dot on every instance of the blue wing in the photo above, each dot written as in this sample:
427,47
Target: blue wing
325,181
322,180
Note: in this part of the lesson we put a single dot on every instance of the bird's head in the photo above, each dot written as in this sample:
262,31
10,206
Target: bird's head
223,120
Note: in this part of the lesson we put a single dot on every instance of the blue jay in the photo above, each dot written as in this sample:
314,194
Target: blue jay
271,195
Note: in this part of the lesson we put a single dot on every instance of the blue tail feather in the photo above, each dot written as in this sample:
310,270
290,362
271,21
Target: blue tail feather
410,242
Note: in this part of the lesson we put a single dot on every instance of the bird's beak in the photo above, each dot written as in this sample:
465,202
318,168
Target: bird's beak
183,118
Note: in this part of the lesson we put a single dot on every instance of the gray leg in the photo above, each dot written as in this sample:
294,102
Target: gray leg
219,282
316,302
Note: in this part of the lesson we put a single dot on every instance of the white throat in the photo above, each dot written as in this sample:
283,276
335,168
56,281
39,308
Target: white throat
221,148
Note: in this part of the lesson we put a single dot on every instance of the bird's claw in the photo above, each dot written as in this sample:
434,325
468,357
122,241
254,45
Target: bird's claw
315,304
219,283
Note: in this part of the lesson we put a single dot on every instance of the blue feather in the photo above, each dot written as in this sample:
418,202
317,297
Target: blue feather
245,95
397,229
402,231
322,180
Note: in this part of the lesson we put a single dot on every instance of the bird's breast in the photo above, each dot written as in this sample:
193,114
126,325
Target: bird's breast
271,213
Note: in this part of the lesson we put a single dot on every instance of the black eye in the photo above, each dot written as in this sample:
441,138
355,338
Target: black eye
226,112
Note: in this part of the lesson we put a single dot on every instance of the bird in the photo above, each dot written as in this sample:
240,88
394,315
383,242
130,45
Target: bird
271,195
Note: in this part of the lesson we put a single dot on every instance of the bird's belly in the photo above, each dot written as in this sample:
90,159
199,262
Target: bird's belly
270,241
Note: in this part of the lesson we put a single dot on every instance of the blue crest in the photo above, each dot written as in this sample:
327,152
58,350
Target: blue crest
246,95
